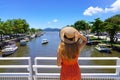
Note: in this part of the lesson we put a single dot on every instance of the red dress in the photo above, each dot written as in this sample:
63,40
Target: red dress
70,70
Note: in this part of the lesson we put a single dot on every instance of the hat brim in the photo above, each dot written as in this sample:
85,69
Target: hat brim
62,33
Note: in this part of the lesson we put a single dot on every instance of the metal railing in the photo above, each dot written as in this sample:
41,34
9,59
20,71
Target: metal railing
45,68
85,76
12,75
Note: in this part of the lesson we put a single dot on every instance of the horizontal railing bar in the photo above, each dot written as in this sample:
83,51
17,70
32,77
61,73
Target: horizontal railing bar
14,73
98,58
106,66
14,66
82,66
80,58
57,74
15,76
46,74
15,58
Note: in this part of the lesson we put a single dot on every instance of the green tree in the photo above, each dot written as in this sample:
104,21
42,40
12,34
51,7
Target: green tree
13,26
8,27
1,29
82,25
96,26
112,26
32,30
20,26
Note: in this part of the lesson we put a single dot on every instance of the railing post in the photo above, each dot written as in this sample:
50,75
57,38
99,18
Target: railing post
30,69
118,68
34,67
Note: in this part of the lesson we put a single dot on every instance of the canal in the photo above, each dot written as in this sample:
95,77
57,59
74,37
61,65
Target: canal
34,49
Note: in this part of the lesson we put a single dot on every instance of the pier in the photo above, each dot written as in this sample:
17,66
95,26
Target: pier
35,71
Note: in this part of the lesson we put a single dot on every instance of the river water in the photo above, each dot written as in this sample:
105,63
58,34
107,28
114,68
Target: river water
34,49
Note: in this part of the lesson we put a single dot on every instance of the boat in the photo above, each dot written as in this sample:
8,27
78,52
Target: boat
44,41
9,49
23,42
103,48
27,39
32,36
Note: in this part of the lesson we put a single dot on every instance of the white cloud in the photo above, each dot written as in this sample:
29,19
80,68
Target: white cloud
91,10
114,7
55,20
94,10
52,21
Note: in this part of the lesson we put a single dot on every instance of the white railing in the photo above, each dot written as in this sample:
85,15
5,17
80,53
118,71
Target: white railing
85,76
12,75
44,69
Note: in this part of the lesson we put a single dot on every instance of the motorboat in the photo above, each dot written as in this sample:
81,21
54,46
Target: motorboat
9,49
23,42
27,39
44,41
32,36
102,48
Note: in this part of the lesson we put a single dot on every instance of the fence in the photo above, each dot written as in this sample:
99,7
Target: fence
16,75
45,68
85,76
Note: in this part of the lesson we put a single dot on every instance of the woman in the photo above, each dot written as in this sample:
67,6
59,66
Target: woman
69,49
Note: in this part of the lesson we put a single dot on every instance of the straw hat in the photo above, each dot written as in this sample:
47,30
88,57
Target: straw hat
69,35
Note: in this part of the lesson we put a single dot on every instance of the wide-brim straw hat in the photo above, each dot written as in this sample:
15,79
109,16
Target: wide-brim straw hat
69,35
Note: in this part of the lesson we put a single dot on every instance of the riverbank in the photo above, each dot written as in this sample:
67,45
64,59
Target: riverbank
18,41
18,38
94,40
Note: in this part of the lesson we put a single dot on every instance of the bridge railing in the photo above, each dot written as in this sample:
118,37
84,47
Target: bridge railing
52,74
45,68
13,74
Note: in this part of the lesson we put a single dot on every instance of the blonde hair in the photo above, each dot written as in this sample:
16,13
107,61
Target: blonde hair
69,51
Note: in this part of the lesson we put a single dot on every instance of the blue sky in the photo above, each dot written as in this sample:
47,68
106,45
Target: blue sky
57,13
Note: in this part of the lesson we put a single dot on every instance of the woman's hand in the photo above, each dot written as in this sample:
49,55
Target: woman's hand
80,36
83,40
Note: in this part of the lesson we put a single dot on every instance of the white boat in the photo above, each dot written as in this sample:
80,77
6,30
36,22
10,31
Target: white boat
44,41
102,48
32,36
9,49
27,39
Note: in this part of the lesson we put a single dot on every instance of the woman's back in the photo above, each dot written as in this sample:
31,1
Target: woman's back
70,69
68,52
69,61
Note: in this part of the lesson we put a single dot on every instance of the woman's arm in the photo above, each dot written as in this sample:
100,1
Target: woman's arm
82,37
84,40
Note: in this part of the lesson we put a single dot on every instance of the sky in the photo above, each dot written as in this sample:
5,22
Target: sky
57,13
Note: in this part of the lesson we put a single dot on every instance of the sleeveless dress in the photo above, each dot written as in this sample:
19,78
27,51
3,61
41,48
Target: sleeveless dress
70,69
